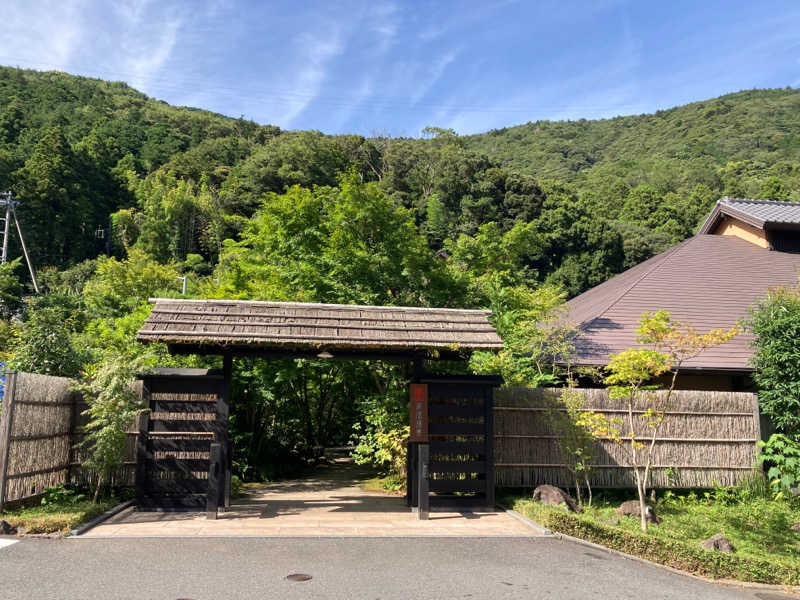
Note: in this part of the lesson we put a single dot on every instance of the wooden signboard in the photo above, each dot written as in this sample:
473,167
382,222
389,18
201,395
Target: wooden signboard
418,417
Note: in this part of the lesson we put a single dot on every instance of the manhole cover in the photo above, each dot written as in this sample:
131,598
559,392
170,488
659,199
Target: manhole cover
298,577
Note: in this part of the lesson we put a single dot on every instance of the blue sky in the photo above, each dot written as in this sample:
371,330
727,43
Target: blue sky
394,67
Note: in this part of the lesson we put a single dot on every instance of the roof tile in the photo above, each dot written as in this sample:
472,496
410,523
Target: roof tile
709,281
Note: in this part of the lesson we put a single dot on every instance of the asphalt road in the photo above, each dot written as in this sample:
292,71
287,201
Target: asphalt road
346,568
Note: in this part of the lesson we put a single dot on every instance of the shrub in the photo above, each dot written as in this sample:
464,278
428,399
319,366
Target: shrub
781,454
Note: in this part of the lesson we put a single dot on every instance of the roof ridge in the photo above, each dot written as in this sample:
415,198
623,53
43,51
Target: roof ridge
390,308
666,256
758,201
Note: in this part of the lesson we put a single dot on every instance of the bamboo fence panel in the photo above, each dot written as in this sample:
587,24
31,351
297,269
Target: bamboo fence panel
707,439
40,425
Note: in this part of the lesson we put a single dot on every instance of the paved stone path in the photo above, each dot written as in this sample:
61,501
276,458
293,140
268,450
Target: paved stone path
331,502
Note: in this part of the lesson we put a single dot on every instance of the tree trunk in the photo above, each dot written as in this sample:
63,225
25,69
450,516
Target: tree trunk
97,488
588,488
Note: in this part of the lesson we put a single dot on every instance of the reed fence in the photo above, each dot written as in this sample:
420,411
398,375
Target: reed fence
41,424
707,439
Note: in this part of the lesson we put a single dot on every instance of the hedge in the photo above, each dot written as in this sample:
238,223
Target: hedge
679,555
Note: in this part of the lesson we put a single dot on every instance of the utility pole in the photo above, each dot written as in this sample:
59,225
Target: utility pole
7,201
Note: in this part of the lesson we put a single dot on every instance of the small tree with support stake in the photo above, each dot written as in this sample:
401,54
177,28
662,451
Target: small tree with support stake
631,379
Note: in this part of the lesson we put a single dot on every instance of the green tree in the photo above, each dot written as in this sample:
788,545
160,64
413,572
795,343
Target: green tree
10,289
45,344
118,287
113,405
349,245
775,321
54,210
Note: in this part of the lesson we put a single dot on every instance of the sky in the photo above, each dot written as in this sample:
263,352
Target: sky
391,68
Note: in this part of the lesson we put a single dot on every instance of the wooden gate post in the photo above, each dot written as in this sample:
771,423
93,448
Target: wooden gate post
489,421
411,474
223,411
424,453
215,479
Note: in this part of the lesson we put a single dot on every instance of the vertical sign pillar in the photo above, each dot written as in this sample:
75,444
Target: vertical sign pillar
423,484
418,420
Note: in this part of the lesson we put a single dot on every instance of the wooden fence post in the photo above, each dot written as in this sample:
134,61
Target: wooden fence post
6,426
423,486
73,425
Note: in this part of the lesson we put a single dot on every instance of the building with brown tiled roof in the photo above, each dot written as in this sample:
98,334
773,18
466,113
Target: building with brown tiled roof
710,280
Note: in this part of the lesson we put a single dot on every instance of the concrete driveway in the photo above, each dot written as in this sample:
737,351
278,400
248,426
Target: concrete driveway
329,502
354,568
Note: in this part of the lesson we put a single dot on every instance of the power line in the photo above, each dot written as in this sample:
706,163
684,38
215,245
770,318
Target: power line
287,96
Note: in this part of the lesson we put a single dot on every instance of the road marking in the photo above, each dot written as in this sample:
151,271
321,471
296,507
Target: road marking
6,542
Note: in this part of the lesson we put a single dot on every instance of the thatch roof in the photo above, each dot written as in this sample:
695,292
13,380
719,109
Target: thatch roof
215,325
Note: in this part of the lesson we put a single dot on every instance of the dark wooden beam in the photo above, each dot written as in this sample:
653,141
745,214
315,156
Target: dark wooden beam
278,353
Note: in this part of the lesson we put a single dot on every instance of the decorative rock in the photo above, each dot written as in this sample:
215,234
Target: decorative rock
795,526
718,542
553,496
631,509
6,529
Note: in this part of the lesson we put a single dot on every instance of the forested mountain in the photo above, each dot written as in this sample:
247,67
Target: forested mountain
511,220
579,200
686,144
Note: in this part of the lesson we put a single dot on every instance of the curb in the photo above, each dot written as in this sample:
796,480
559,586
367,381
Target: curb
81,529
723,582
543,531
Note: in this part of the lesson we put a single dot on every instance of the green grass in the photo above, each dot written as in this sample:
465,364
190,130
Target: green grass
389,484
55,518
767,550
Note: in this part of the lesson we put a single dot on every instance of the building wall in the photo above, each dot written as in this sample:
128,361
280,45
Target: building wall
707,382
736,228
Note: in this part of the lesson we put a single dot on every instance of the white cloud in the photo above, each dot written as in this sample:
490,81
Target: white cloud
52,41
146,42
432,74
315,52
